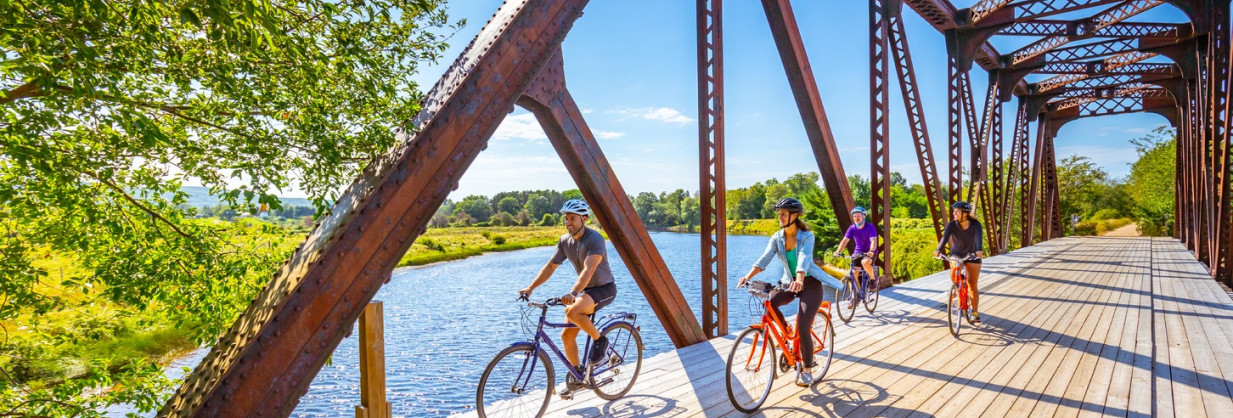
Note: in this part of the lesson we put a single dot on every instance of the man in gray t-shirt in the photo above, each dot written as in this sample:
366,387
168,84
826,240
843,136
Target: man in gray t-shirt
594,289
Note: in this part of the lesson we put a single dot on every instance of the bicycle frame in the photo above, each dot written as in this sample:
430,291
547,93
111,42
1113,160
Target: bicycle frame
959,277
773,328
541,338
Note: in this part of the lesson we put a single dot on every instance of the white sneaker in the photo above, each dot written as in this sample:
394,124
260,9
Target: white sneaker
804,378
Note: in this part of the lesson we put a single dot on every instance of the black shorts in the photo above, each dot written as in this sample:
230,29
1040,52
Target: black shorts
602,295
972,261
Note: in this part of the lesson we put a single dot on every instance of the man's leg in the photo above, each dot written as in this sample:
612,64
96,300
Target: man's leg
867,263
577,314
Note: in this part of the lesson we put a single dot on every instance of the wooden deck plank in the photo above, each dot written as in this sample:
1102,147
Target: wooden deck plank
1073,327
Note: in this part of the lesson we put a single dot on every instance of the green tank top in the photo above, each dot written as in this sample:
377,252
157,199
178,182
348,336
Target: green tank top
791,255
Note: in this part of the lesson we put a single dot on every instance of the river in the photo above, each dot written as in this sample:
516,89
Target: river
444,322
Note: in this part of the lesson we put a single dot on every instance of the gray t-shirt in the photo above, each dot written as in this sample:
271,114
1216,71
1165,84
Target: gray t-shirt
576,251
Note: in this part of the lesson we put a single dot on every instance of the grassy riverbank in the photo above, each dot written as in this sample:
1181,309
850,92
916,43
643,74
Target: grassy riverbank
445,244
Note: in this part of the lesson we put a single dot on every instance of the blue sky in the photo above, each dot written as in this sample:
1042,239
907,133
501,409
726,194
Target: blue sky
630,65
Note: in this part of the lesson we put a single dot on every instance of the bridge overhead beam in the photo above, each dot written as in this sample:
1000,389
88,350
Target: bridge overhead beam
809,102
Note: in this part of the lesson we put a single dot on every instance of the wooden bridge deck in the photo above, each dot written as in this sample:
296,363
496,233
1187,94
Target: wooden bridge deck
1074,326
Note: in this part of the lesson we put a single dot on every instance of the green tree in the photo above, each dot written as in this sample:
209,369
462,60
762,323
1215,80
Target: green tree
1152,180
538,205
509,205
476,207
106,107
860,190
801,183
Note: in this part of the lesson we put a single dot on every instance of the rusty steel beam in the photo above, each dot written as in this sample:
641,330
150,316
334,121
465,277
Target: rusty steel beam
809,102
993,135
1019,173
912,105
712,184
1092,24
266,360
1051,223
1218,54
1030,219
972,122
1027,10
1116,30
879,130
980,154
954,131
549,100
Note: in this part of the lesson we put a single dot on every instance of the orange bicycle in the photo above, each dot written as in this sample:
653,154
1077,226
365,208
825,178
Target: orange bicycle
752,362
958,305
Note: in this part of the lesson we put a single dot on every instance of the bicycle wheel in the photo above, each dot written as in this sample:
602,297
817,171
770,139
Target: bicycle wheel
844,301
871,295
623,360
954,311
750,370
517,383
823,346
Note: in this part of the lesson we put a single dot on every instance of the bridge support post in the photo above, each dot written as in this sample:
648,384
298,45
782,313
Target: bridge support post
372,363
712,188
569,134
879,134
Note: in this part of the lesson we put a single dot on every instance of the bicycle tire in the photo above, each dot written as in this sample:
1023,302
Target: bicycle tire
622,337
824,347
513,406
871,295
844,304
754,338
953,311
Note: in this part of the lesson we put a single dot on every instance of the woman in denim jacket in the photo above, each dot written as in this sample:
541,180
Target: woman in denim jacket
794,246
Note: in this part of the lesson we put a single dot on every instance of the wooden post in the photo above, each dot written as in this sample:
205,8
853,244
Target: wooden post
372,364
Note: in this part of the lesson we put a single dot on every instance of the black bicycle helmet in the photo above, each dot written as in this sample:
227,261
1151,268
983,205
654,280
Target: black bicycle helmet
790,204
963,206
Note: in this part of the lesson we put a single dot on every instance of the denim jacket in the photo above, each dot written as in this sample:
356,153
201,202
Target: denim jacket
804,258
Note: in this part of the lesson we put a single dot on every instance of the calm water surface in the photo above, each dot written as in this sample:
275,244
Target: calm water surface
445,322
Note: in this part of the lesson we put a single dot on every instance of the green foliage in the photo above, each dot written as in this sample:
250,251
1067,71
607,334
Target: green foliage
1151,182
106,107
912,252
538,206
1100,227
549,220
509,205
475,207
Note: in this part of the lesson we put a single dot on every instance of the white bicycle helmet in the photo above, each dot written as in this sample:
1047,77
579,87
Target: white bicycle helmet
576,206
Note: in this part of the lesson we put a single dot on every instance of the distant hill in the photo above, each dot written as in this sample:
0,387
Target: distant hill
200,196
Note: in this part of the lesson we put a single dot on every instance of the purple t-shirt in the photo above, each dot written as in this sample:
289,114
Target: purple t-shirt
861,236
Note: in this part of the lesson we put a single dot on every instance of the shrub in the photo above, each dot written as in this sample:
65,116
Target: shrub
499,240
548,220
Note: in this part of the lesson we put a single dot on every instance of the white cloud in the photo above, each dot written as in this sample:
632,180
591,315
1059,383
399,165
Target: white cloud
588,111
661,114
522,126
608,134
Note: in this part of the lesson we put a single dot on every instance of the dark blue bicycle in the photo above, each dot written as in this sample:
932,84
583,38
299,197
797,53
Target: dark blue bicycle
857,289
519,382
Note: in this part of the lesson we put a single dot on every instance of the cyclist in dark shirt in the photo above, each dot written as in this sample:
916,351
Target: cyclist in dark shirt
965,236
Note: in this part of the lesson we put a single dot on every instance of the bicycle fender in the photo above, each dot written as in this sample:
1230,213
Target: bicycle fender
615,323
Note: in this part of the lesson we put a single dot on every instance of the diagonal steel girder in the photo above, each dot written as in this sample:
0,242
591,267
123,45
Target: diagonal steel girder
905,70
809,103
549,100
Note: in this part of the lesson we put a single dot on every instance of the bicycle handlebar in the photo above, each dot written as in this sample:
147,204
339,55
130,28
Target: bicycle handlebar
966,258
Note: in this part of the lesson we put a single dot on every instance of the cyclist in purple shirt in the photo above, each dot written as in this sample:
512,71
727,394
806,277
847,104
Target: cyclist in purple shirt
865,235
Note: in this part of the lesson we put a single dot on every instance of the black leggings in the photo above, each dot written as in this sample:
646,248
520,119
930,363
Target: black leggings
811,300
